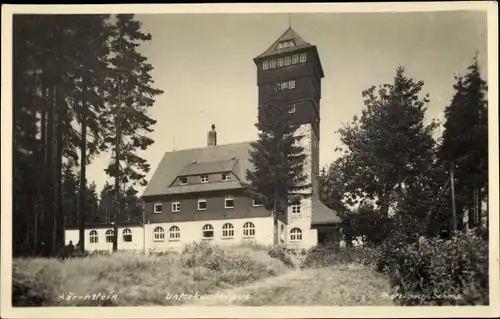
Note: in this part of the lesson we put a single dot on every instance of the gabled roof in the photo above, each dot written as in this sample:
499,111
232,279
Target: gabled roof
289,34
176,163
322,215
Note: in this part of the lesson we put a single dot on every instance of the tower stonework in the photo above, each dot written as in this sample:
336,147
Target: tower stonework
290,71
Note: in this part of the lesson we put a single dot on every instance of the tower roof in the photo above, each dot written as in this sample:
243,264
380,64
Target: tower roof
289,34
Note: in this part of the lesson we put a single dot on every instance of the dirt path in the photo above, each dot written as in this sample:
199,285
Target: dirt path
223,297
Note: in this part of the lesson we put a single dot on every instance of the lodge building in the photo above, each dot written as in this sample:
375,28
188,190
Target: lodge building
198,194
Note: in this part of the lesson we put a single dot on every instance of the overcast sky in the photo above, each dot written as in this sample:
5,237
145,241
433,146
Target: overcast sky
204,65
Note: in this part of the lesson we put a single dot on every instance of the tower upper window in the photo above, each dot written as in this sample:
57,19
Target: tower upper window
303,57
286,44
281,62
265,65
288,60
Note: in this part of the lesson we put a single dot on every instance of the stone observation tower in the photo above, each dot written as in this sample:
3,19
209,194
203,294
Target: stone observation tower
290,71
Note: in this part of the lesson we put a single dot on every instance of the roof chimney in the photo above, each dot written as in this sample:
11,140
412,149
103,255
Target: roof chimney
212,137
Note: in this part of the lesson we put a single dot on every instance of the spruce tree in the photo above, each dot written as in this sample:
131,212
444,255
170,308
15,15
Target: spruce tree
278,177
465,142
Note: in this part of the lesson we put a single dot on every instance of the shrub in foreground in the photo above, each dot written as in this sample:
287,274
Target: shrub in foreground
325,256
436,271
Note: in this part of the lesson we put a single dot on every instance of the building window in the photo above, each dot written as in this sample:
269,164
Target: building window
225,176
288,60
183,180
281,61
277,87
286,44
295,59
94,237
176,207
265,65
257,202
109,236
248,229
202,204
291,108
303,57
228,230
229,202
158,234
284,85
296,208
291,84
174,233
208,231
158,208
204,178
127,235
295,234
272,64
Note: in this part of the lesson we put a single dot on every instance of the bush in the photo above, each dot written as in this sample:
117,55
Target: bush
281,253
325,256
437,272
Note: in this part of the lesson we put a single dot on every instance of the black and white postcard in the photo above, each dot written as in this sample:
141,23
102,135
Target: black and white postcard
250,160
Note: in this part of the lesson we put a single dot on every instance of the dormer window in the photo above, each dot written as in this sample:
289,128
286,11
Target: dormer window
286,44
183,180
225,176
204,178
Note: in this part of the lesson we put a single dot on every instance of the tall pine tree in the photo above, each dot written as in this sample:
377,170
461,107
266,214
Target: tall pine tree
130,97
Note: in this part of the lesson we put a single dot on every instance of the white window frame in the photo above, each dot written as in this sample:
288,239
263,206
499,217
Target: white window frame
94,237
291,109
272,64
109,235
296,208
174,233
202,200
227,230
295,59
284,85
291,84
226,199
226,176
295,234
127,232
303,57
156,205
204,179
207,228
265,65
248,230
176,206
159,234
256,205
288,60
280,62
180,180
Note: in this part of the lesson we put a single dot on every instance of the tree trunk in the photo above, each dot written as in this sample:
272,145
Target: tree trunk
49,199
83,166
58,220
117,182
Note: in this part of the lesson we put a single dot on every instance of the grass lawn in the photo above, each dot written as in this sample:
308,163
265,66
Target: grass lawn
135,279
